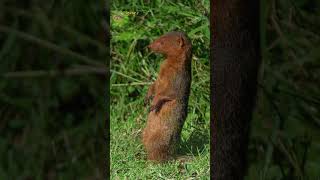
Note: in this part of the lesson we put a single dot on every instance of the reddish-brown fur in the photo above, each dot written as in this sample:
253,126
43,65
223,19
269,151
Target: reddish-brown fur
169,96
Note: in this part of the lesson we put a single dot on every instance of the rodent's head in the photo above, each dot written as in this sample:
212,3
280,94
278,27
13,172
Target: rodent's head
171,44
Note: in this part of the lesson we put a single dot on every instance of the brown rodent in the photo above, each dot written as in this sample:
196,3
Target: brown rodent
169,96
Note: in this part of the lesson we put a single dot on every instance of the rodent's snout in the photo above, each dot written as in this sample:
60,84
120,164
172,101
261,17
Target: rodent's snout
151,46
155,46
148,47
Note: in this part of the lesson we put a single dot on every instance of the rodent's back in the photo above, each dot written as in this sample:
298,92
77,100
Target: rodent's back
182,85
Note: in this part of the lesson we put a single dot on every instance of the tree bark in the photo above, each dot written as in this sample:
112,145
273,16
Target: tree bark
235,59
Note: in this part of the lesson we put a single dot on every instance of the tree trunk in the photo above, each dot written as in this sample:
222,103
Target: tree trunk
235,59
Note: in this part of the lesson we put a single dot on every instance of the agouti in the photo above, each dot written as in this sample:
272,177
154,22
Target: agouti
169,96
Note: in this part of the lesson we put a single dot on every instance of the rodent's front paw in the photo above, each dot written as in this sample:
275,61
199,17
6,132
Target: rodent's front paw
154,108
158,105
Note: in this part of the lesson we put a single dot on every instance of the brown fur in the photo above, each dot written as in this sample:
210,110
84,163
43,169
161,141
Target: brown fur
169,96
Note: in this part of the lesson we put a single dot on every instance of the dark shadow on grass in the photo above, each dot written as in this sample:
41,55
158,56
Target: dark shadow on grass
196,143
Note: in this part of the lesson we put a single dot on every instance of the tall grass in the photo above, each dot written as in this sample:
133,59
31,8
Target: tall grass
134,25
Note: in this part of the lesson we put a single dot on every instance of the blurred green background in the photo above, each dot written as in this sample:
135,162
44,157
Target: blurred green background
53,89
285,138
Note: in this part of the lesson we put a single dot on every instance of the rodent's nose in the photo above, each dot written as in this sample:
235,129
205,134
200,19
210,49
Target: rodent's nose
147,47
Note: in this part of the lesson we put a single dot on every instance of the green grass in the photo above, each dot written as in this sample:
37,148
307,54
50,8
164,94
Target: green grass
134,25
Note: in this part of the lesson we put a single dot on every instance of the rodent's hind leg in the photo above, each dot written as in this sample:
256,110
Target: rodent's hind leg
159,103
156,144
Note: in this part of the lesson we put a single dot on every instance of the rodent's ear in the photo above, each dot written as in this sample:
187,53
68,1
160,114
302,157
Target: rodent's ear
181,41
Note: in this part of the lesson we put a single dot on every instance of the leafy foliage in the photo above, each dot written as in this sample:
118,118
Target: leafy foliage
52,105
133,25
285,131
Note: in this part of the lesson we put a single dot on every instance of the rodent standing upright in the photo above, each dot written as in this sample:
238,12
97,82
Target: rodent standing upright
169,96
